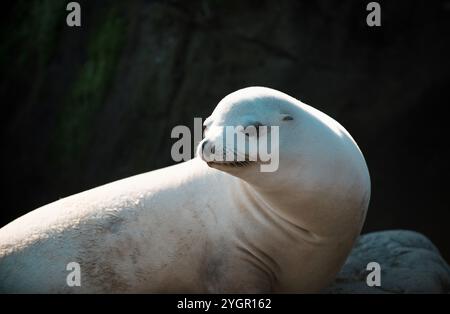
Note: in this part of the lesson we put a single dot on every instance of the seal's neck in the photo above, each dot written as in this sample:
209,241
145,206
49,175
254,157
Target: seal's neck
277,206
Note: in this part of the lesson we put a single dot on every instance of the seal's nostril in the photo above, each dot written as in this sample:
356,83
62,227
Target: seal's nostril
208,148
203,145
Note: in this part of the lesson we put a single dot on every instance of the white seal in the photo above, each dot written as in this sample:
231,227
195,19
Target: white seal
206,227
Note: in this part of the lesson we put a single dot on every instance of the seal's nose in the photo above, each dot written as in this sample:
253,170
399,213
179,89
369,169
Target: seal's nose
208,148
203,146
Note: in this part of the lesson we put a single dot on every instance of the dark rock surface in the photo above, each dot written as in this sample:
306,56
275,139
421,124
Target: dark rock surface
409,262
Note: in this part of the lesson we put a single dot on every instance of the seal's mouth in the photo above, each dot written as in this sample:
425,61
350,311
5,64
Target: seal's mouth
236,164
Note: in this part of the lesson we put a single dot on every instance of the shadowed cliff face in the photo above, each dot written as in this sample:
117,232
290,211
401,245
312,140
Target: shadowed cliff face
85,106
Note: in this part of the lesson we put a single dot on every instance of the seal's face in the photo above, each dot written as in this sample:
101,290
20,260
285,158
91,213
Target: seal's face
243,133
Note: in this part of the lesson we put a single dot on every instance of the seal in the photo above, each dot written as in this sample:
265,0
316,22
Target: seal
215,226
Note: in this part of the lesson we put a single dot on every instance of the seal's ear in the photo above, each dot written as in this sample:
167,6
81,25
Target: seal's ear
286,117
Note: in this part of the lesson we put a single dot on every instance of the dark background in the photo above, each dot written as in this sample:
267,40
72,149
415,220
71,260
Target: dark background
85,106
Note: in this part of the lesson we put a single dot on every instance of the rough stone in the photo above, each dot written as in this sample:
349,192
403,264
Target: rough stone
409,262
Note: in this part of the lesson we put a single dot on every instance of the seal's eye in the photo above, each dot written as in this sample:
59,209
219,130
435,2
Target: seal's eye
287,117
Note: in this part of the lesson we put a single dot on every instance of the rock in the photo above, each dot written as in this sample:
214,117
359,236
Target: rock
409,262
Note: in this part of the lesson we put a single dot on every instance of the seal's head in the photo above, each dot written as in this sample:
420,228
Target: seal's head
244,133
296,145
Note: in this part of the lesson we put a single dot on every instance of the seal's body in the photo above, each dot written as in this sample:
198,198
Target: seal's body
206,227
